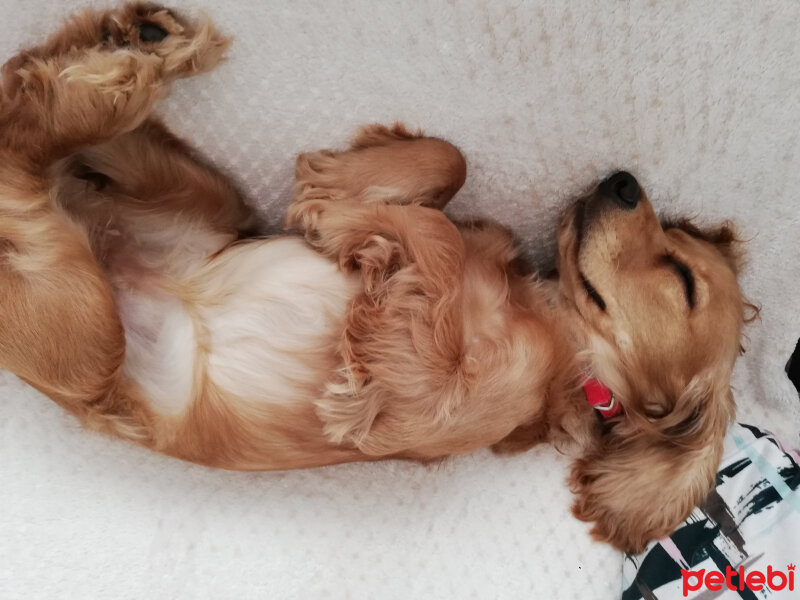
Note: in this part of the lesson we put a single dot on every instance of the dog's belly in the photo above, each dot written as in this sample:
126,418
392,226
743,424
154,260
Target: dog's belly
273,311
160,346
232,357
259,321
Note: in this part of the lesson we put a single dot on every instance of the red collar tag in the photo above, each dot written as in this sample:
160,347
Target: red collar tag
601,399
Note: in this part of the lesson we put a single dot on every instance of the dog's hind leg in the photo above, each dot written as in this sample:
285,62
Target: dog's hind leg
57,103
59,328
144,26
149,173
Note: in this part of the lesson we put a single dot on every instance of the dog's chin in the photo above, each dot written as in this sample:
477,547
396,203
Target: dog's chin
575,228
573,241
569,247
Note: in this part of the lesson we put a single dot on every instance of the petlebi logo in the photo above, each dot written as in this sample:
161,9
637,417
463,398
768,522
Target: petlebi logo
755,581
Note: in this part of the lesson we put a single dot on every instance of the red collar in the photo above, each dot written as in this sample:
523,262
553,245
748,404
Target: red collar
601,399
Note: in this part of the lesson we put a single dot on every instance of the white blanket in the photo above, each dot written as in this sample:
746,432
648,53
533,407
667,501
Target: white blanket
700,100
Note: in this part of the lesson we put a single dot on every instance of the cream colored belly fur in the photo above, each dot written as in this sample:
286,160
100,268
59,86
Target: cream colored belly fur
257,320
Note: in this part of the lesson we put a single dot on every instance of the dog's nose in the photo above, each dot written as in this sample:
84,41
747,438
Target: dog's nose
623,188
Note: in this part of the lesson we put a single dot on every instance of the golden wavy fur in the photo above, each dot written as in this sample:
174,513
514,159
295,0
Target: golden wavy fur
659,314
128,295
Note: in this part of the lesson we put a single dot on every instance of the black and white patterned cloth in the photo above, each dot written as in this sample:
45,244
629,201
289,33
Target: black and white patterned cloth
742,543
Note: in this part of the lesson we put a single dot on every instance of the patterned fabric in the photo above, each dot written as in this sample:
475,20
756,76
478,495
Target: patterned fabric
748,531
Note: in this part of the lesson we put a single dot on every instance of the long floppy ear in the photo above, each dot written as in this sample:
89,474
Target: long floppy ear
638,484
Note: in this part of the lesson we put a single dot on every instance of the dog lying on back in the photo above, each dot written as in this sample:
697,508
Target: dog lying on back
384,330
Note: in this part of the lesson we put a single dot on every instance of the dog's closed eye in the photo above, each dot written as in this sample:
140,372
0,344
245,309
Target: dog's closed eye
686,276
593,294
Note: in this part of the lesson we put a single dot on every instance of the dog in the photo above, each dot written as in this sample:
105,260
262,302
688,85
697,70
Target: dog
132,294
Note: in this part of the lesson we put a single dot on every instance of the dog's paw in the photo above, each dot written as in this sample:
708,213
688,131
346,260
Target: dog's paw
318,177
384,165
315,188
117,73
335,175
308,218
185,47
358,173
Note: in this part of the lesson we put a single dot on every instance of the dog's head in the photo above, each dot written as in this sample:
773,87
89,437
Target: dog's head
660,305
661,312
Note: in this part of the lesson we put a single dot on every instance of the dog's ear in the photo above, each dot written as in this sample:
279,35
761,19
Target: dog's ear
637,489
647,474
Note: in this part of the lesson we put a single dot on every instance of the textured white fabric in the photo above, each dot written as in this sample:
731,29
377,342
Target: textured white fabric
700,100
